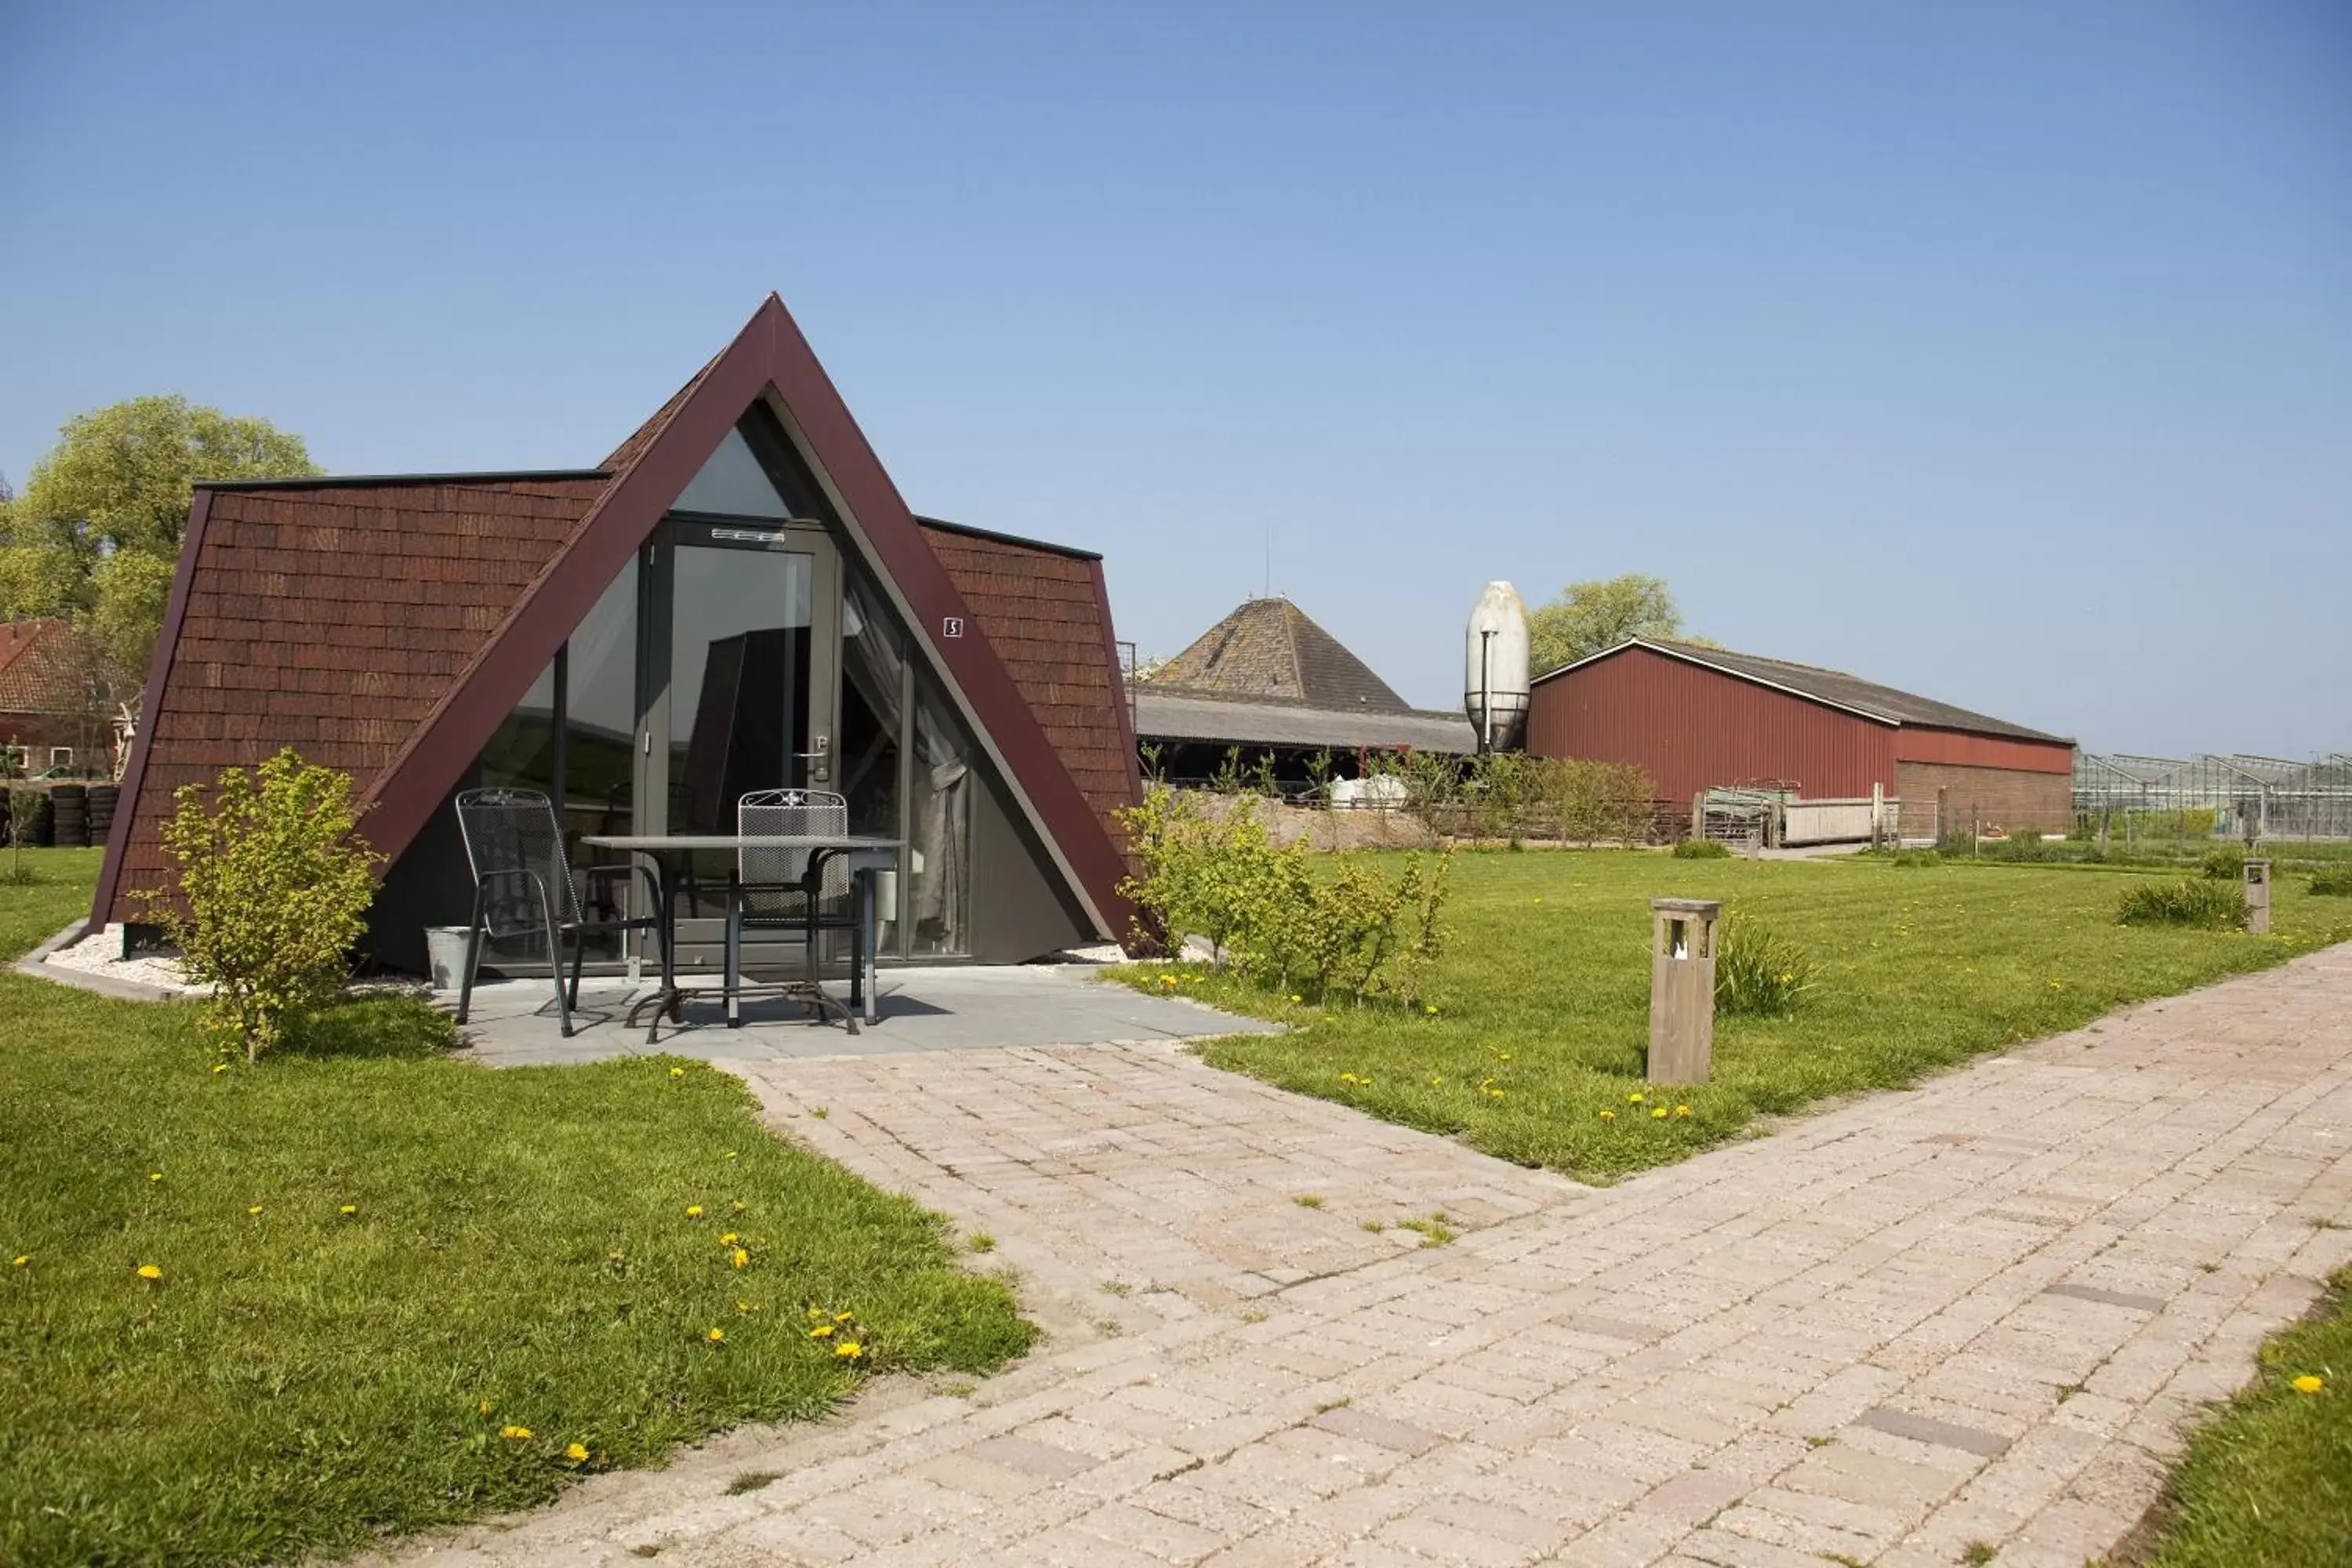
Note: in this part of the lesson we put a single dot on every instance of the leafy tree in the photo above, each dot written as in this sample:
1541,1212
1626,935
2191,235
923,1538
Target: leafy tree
1589,617
96,535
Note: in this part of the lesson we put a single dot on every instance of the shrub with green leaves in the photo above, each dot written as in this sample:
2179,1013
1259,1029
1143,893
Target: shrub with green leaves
1268,914
274,886
1758,973
2197,902
2333,883
1701,850
1917,857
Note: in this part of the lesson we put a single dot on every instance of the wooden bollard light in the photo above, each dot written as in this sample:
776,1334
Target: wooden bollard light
1681,989
2258,896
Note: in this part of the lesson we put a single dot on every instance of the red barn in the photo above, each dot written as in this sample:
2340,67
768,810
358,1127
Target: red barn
1698,718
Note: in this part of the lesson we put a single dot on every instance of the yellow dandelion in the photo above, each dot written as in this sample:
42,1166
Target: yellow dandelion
2308,1384
148,1271
515,1434
1632,1100
21,1259
715,1336
743,1306
677,1072
739,1205
730,1153
1659,1114
729,1239
694,1211
1506,1055
1297,999
220,1066
1431,1010
576,1452
849,1350
822,1332
742,1257
1347,1078
154,1175
1608,1116
843,1317
348,1209
253,1208
1682,1110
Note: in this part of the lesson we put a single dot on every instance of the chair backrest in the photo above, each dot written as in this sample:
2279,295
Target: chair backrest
789,813
509,830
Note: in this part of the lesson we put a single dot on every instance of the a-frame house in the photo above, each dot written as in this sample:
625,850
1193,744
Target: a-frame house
737,599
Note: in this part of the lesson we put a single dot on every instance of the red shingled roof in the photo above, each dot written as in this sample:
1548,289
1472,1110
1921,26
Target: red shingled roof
38,673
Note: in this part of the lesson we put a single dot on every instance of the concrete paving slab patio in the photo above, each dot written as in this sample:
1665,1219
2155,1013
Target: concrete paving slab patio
512,1023
1979,1311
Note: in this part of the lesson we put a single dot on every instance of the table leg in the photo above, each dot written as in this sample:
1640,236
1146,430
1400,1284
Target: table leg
732,980
667,1002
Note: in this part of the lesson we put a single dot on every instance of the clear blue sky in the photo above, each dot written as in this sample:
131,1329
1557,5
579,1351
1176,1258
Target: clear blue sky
2002,351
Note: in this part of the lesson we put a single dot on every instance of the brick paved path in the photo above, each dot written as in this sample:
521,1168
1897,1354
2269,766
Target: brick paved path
1976,1312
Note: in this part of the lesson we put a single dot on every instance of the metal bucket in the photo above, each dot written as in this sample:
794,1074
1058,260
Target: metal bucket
445,955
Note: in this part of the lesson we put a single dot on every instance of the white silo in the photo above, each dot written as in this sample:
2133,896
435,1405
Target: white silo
1495,667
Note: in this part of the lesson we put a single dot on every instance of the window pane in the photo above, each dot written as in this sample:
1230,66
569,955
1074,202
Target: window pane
601,712
521,752
872,661
738,680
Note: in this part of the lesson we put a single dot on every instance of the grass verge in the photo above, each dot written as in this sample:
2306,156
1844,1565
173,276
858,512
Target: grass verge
2268,1482
1534,1044
396,1290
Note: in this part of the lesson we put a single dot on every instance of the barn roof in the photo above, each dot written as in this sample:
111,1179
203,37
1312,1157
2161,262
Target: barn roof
1270,649
1885,704
387,626
1204,715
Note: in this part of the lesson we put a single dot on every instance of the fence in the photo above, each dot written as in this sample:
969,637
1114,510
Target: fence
1775,818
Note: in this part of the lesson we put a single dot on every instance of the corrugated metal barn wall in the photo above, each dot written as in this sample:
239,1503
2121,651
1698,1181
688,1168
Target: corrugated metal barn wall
1692,729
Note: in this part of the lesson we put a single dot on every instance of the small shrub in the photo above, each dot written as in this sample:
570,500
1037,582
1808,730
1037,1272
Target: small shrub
274,884
1701,850
2194,901
2334,883
1917,857
1268,915
1758,974
2224,863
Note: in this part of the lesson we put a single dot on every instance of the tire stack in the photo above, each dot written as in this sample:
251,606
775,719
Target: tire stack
101,811
70,815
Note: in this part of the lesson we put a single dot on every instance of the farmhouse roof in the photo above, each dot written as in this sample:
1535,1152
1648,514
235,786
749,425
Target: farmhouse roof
1272,649
37,672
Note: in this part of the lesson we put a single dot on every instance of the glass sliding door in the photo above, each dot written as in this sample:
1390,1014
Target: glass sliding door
743,672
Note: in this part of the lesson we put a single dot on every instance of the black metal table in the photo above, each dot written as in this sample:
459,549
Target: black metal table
672,853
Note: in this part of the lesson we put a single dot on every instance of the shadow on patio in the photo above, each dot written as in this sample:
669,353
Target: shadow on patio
922,1009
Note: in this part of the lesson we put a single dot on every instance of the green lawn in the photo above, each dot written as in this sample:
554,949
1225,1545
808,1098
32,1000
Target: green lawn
2268,1483
1543,999
375,1261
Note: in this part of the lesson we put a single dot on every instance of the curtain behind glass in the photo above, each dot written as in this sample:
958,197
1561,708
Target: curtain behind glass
939,829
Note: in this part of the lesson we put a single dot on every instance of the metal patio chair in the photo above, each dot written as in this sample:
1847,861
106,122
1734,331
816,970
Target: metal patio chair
523,881
778,889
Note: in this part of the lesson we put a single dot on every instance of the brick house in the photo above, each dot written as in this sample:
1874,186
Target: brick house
49,717
737,599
